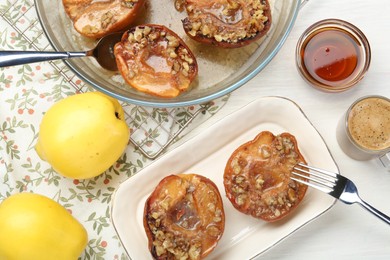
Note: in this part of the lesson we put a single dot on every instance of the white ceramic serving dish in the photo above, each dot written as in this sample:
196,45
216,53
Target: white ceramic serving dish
245,237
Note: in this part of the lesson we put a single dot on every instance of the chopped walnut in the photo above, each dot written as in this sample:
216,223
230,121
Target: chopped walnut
90,29
213,230
239,179
194,252
291,195
259,183
129,3
107,19
240,200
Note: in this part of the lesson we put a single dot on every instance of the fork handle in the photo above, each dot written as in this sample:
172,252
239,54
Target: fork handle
374,211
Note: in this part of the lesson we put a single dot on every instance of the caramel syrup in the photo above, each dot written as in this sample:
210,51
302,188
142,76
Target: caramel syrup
331,56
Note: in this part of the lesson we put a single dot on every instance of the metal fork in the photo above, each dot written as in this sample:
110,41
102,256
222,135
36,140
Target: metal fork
335,185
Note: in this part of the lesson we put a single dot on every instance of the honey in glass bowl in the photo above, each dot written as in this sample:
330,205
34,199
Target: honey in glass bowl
333,55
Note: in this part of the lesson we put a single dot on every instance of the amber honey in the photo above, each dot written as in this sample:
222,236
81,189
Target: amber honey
332,56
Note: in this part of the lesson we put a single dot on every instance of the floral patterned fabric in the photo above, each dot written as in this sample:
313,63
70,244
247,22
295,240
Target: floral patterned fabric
28,91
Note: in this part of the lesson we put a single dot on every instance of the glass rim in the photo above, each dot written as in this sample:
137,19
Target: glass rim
337,24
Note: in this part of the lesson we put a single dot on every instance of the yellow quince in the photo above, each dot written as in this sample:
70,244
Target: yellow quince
82,135
35,227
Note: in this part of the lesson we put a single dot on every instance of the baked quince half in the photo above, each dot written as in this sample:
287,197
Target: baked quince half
257,177
95,19
155,60
184,217
226,23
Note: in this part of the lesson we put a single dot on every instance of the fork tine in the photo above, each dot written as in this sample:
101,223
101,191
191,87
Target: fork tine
317,181
318,187
334,175
316,178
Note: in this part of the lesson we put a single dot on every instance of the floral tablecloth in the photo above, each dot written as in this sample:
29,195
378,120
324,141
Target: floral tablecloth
26,93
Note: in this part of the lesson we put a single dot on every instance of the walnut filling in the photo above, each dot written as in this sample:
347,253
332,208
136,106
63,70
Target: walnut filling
232,21
177,57
167,242
98,18
185,223
257,177
176,246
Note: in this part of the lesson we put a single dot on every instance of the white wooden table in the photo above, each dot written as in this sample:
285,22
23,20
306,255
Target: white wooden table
344,232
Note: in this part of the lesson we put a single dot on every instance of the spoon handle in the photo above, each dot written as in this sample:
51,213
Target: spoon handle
11,58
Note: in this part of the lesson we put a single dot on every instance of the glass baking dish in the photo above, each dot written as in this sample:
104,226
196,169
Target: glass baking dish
220,70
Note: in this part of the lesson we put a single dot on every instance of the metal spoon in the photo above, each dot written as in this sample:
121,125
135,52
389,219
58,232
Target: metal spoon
103,52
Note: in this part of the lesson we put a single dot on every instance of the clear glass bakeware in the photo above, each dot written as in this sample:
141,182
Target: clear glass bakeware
220,70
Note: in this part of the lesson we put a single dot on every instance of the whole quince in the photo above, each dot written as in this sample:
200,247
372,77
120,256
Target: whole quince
82,135
35,227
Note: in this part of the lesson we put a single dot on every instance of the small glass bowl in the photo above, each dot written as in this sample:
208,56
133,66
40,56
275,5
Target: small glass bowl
333,55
